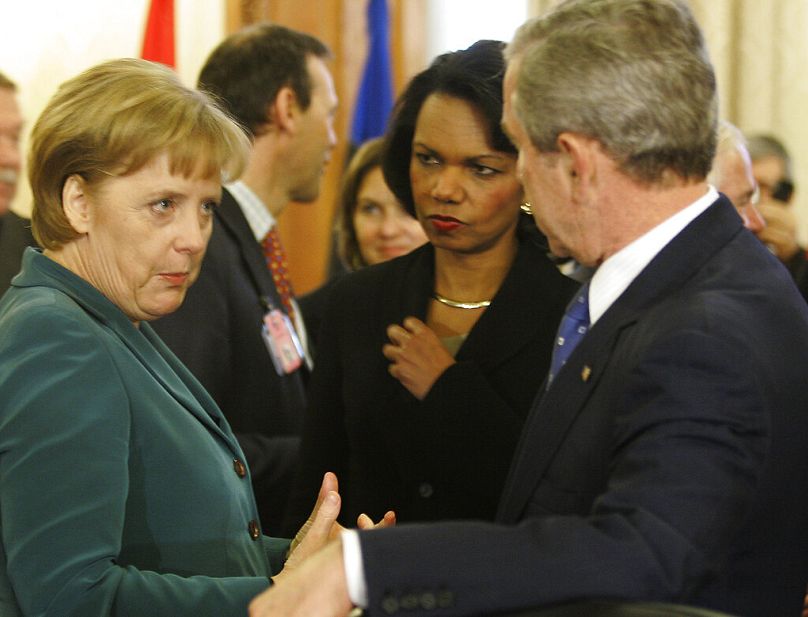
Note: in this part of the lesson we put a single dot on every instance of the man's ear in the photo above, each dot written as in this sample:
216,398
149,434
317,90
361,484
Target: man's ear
580,155
284,110
75,203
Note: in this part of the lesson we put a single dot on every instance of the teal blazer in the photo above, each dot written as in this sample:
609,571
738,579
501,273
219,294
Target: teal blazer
122,488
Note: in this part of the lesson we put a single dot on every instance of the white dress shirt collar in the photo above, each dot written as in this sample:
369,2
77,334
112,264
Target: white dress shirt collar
258,216
615,274
260,220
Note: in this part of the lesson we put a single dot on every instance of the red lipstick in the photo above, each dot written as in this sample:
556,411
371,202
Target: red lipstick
445,224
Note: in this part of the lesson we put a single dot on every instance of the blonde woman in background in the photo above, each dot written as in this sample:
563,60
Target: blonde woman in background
371,225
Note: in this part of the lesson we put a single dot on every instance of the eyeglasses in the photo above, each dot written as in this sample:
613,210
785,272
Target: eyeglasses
780,191
783,190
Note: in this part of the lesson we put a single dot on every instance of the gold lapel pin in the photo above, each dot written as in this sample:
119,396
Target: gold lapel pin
586,371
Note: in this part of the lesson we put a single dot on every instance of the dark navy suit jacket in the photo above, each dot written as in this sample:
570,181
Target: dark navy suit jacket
666,462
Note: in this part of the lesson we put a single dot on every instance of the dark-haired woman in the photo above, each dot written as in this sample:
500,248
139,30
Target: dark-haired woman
428,363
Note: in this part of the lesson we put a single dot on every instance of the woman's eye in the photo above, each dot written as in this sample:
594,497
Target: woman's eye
426,159
162,205
369,208
484,170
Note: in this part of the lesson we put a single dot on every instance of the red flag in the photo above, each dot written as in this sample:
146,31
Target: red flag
158,38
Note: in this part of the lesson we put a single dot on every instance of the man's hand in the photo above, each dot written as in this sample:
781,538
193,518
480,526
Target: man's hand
780,233
317,588
417,357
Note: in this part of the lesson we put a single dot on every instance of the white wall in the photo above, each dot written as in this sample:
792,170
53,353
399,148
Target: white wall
45,42
456,24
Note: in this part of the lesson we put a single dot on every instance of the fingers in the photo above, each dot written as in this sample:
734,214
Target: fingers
316,532
388,520
413,325
326,516
391,352
329,485
364,522
410,327
326,510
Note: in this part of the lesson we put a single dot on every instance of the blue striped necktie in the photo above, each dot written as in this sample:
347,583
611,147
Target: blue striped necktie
572,329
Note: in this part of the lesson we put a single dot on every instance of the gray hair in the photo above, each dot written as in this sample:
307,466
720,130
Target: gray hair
762,146
633,74
729,138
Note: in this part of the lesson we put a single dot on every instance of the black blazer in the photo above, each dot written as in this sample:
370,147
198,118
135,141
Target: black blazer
665,463
446,456
15,235
217,334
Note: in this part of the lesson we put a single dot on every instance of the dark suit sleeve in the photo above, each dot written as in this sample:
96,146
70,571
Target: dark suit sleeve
688,408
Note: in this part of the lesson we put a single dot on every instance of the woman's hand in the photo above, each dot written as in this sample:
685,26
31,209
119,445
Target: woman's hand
320,527
364,522
417,357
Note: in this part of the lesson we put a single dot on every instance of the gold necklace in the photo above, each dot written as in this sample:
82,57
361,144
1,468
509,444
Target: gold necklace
460,305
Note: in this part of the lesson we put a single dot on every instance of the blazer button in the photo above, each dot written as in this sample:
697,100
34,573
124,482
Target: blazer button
428,600
254,529
240,468
445,598
425,490
409,601
390,604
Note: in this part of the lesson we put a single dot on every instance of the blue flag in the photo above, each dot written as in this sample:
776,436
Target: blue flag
374,101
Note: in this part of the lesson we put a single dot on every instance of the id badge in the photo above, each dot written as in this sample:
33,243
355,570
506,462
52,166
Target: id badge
282,341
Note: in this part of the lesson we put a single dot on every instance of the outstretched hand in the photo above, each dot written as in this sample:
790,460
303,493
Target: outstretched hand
318,588
314,583
320,527
364,522
417,357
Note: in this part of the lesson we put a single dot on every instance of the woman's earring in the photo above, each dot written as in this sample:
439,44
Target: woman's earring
526,207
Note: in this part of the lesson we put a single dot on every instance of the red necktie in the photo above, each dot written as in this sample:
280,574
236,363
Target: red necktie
276,262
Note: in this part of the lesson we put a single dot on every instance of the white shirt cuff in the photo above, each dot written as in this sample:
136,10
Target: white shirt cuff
354,569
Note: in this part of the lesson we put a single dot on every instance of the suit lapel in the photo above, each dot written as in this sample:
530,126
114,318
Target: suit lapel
143,343
233,222
182,385
491,341
553,412
412,279
175,378
556,408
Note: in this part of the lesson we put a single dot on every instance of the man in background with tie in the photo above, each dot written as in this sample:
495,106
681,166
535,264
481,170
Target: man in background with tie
239,330
665,460
15,231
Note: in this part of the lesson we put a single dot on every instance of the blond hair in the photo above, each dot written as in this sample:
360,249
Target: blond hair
115,118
